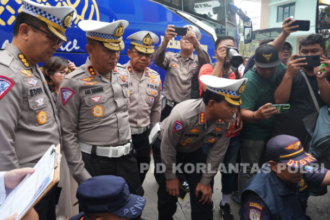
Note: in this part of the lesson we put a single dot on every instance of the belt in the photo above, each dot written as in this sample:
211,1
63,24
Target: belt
170,103
139,130
107,151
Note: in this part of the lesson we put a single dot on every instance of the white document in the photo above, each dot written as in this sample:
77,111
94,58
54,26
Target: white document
31,187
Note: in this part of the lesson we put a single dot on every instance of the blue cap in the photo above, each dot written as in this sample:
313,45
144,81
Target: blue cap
102,194
288,150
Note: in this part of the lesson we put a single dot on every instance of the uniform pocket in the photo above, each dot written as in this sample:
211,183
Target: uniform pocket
94,106
41,111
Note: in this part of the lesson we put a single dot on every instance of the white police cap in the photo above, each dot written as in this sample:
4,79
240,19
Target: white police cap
144,41
110,34
195,30
58,19
230,89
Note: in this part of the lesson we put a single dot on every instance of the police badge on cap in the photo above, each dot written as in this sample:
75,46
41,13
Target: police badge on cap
110,34
144,41
58,19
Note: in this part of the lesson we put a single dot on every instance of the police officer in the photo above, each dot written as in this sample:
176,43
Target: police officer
281,188
28,113
145,92
99,201
180,67
191,125
93,107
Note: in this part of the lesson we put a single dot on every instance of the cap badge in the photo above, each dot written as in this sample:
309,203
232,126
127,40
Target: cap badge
267,56
293,146
119,31
241,89
147,40
67,21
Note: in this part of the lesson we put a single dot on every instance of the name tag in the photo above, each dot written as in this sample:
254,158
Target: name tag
36,91
93,91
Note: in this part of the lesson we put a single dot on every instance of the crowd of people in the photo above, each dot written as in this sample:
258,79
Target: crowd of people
208,117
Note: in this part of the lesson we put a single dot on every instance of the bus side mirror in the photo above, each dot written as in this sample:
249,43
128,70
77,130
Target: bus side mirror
247,31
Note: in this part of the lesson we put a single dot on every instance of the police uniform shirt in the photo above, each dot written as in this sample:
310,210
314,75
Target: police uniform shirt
28,113
179,71
145,98
253,207
185,130
93,111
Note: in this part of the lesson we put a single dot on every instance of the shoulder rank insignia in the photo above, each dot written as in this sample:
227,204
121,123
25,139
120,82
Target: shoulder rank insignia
146,71
42,117
130,70
194,130
202,117
87,79
98,111
91,70
27,73
256,205
90,83
5,85
22,58
178,126
152,76
66,95
255,215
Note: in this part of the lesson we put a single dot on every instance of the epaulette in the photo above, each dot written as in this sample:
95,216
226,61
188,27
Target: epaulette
78,71
119,65
6,58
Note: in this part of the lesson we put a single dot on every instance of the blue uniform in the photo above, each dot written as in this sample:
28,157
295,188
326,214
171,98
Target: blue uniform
268,197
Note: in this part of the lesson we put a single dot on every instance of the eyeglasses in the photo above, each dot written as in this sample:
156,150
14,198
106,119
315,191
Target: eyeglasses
53,39
148,56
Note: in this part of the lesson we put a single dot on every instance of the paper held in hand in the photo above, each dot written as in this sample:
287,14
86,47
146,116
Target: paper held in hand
34,186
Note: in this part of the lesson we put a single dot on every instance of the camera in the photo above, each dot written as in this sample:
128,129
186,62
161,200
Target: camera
235,58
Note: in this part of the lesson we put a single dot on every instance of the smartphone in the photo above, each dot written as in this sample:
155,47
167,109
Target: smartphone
281,108
304,25
312,60
182,193
181,31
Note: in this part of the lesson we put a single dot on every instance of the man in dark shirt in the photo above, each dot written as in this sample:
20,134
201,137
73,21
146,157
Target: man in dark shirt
292,88
281,187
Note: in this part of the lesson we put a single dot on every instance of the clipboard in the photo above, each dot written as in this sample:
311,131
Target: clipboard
34,186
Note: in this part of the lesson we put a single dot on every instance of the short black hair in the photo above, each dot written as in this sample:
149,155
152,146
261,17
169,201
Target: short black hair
312,39
131,47
266,41
27,19
221,38
208,95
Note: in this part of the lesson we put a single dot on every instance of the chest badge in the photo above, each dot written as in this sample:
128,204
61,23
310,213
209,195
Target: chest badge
5,85
66,95
98,111
217,129
26,73
32,82
87,79
42,117
152,92
96,98
212,140
189,140
174,65
39,102
183,143
123,78
255,215
194,130
90,83
152,76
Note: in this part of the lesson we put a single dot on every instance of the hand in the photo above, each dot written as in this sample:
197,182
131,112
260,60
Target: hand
206,193
294,65
11,217
325,69
221,54
239,122
169,34
14,177
191,36
72,66
265,112
286,29
172,186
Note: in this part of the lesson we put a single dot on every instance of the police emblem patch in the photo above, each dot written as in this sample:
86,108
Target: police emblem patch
40,102
123,78
98,111
5,85
194,130
87,79
90,83
178,126
66,95
42,117
26,73
96,98
32,82
151,100
293,146
255,215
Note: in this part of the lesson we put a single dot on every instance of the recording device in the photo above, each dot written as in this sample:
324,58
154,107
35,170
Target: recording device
281,108
182,193
312,60
235,58
181,31
304,25
154,133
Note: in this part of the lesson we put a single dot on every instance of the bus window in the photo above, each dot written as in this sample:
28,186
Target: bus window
177,4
